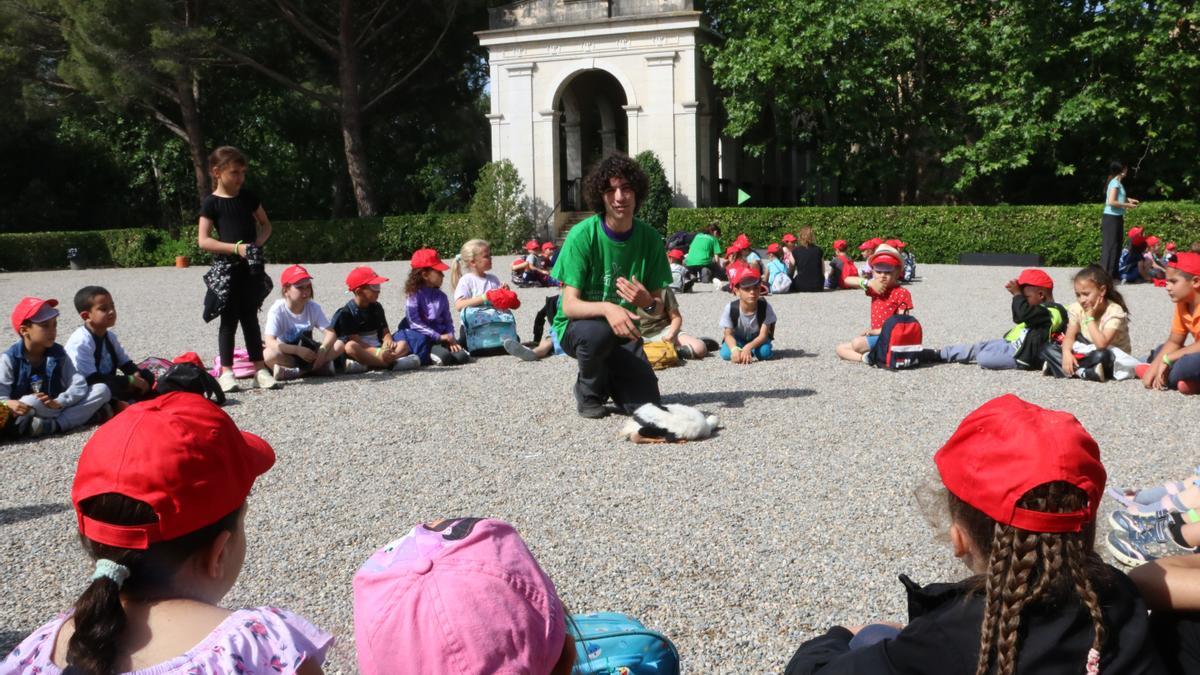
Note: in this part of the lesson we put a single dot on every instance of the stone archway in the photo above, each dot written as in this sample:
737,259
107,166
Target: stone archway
592,125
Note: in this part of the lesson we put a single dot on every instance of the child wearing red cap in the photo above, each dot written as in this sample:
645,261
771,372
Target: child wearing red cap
748,323
887,300
427,309
1176,364
237,282
681,280
779,280
1131,264
1022,485
457,597
40,387
361,324
159,496
1037,317
841,267
531,270
291,350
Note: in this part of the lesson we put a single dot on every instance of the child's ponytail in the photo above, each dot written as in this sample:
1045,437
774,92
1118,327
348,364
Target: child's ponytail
1026,567
99,616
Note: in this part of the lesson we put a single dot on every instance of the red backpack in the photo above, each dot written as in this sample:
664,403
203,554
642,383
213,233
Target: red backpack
899,343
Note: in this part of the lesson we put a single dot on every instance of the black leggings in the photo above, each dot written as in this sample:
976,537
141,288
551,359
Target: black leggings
1112,233
241,308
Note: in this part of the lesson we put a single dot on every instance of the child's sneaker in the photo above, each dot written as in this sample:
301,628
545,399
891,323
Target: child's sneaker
354,367
461,357
410,362
1142,547
1129,523
440,356
1092,374
40,426
228,382
519,350
285,373
265,380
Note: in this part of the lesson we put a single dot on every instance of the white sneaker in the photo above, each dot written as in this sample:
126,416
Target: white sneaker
717,284
410,362
265,380
228,382
284,373
354,367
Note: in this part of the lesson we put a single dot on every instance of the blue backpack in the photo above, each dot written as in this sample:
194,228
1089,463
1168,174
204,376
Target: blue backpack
487,328
607,643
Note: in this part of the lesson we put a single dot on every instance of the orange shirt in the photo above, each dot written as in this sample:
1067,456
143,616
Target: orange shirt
1183,322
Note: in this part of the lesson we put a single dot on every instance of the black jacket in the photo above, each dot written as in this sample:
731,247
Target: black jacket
942,636
1042,321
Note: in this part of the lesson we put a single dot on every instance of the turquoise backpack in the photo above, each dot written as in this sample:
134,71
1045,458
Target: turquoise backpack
608,643
487,327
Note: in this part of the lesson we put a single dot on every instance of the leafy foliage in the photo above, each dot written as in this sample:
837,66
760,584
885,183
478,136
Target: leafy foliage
654,207
1062,235
499,209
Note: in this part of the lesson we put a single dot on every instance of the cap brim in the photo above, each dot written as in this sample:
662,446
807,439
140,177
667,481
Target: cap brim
440,266
260,454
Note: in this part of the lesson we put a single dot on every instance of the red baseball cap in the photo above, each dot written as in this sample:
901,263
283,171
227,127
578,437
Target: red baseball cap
839,245
744,276
676,254
531,245
733,248
1007,447
1136,236
180,454
789,237
1035,277
1170,246
884,255
742,241
189,357
901,244
773,248
870,244
1152,240
503,298
894,243
1187,262
294,275
428,258
363,276
548,245
33,309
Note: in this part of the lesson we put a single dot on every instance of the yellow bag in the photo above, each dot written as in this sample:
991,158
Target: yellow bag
661,354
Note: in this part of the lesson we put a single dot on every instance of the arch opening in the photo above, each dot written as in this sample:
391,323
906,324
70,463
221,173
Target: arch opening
592,125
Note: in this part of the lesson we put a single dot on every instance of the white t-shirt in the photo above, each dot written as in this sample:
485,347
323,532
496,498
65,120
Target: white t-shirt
747,328
285,326
472,285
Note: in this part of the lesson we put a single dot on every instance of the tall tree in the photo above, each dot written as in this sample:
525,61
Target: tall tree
362,53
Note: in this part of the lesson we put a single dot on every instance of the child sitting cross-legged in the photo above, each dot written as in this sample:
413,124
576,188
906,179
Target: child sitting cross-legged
665,324
97,354
1175,364
362,326
749,321
887,300
1022,486
1099,321
291,349
38,383
427,309
160,504
1037,317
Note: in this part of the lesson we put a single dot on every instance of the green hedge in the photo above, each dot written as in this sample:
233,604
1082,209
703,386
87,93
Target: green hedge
97,248
1063,235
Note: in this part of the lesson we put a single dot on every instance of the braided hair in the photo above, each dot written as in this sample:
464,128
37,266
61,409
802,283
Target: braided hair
99,615
1025,568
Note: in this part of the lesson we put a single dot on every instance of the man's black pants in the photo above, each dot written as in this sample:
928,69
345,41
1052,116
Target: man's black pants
609,366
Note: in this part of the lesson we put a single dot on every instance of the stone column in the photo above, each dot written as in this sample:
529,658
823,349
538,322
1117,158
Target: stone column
687,161
633,112
660,111
546,186
519,106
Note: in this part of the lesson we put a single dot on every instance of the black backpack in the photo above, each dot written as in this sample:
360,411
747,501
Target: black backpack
680,240
761,311
193,379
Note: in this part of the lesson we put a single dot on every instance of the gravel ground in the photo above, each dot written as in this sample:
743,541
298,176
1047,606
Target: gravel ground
799,514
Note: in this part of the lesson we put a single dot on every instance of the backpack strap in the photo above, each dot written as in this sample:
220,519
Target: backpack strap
733,315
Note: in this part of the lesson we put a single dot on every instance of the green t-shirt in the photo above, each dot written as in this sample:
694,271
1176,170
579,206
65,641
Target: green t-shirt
704,247
592,262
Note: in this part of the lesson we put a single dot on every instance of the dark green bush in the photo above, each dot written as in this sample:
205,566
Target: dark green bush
1062,235
655,207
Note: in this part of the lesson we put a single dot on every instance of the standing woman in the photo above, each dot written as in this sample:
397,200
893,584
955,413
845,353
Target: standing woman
1112,225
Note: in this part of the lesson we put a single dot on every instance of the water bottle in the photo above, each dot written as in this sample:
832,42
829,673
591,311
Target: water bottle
35,383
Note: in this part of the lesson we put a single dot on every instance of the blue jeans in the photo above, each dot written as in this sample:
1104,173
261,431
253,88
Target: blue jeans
995,354
761,352
1186,368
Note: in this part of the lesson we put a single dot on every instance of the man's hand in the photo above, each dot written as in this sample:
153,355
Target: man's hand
17,407
633,292
622,321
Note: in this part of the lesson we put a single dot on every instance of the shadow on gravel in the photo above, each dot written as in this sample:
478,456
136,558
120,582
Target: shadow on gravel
17,514
735,399
793,354
9,639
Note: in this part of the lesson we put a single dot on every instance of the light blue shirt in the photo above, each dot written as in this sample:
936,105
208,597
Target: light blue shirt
1110,210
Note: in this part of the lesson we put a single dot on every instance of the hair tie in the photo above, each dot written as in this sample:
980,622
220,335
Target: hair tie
107,569
1093,662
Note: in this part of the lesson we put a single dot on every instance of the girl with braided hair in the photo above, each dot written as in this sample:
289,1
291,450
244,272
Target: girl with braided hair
1022,485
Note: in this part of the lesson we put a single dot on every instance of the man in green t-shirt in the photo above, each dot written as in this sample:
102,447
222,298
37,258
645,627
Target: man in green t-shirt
610,264
705,254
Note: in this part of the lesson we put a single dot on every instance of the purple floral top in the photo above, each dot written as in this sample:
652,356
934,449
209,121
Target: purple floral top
428,312
260,641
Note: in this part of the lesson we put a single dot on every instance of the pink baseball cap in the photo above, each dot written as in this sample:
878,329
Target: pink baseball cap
456,597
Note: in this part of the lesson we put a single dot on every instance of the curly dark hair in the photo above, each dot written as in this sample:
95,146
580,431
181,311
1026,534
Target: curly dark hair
616,165
415,280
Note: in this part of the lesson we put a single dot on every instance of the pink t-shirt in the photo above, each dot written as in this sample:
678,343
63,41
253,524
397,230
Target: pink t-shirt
258,640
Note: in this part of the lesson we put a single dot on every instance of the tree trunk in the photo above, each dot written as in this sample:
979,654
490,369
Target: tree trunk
191,125
351,114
